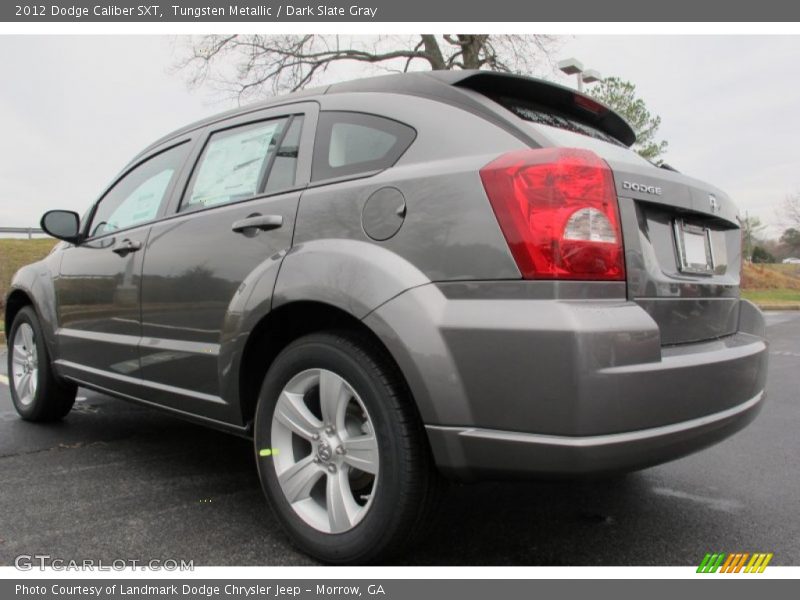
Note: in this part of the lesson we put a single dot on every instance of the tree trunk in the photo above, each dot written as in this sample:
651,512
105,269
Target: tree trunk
433,53
471,47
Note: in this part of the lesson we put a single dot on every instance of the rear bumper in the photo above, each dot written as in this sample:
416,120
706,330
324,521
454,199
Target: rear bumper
537,378
474,453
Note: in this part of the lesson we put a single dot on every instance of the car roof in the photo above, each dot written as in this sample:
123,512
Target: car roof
448,87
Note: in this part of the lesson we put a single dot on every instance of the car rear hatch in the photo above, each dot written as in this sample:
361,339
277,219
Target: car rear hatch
682,252
681,237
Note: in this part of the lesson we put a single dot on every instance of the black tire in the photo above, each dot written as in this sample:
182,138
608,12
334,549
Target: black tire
53,398
406,489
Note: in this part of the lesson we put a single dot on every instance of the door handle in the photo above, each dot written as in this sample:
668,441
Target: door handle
126,247
257,222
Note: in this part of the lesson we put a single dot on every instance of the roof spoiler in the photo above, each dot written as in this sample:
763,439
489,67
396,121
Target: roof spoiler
581,107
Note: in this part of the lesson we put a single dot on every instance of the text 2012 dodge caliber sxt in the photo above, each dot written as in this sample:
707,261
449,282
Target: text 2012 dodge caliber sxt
385,280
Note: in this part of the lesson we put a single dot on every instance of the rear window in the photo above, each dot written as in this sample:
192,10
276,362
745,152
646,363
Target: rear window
541,115
607,150
350,143
566,131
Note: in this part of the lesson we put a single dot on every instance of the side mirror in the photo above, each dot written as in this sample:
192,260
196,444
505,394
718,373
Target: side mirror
62,224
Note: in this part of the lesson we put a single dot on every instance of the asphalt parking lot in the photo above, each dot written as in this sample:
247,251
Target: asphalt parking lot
117,481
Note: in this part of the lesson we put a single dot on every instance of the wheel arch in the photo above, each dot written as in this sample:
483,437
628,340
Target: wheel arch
322,284
15,302
18,299
287,323
33,286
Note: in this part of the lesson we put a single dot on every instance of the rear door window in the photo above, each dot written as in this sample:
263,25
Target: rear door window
234,164
350,144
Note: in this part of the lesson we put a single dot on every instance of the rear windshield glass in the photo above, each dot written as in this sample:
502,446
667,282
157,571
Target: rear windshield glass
536,113
606,150
566,131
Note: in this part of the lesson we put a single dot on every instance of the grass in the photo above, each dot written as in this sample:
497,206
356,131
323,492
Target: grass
771,277
16,253
772,285
776,296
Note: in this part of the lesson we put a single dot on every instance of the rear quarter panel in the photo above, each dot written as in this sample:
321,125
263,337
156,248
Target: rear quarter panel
449,231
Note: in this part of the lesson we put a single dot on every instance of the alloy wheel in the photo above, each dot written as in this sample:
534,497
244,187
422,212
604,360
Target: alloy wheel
325,451
25,364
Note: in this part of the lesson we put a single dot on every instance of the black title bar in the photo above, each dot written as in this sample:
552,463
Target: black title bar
475,11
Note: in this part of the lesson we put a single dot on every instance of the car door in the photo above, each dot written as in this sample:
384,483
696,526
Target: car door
98,285
230,229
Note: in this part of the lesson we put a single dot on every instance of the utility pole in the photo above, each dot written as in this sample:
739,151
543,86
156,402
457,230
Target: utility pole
572,66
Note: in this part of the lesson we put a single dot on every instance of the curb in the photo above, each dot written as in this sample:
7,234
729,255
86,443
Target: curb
778,306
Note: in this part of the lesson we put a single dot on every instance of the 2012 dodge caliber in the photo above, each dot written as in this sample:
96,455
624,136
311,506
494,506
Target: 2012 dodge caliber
390,279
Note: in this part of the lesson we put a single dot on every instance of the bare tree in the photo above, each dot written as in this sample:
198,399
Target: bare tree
789,212
257,65
752,228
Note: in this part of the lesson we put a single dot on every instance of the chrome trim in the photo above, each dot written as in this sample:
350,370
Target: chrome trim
171,389
603,440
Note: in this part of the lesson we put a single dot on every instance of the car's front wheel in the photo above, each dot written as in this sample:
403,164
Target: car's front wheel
341,452
37,394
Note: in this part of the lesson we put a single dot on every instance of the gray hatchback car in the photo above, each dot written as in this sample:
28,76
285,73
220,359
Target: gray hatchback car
388,280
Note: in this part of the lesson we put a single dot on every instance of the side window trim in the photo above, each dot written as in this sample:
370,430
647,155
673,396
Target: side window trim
343,178
308,109
168,195
264,175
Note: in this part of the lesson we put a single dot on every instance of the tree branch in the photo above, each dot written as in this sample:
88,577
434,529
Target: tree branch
249,65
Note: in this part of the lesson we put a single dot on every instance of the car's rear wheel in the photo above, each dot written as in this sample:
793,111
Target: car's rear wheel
341,452
37,394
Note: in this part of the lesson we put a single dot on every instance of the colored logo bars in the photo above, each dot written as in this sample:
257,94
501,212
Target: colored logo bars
735,562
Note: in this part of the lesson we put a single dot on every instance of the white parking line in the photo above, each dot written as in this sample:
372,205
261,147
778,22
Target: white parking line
3,379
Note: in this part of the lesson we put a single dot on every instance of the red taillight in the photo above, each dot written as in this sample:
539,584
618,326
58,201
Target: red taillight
558,210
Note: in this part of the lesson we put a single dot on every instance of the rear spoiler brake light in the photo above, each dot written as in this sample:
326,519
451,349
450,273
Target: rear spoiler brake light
562,99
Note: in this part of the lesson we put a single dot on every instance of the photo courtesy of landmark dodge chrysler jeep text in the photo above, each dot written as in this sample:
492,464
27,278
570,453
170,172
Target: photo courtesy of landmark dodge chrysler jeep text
388,280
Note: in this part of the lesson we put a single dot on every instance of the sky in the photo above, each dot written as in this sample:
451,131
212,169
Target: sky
75,109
